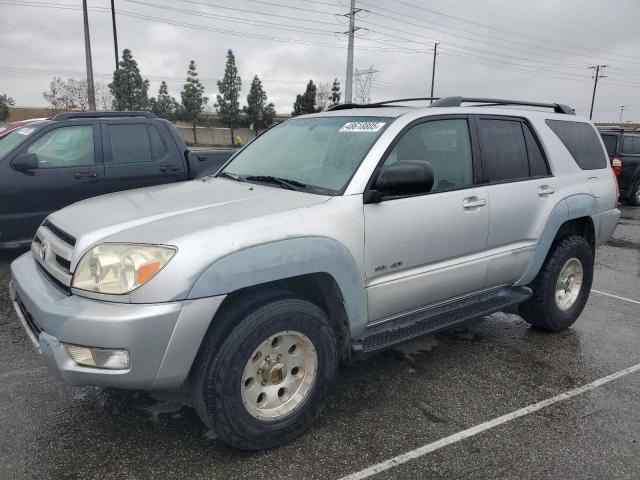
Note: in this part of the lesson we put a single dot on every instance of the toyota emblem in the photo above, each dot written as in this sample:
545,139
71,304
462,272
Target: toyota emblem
43,251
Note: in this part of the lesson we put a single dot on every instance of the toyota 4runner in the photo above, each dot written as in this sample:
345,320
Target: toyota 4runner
329,237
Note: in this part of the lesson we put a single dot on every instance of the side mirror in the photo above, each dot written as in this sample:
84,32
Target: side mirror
404,177
25,162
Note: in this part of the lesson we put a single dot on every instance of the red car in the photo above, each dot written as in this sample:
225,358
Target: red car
22,123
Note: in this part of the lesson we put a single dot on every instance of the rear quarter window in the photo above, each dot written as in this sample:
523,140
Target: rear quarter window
631,144
582,142
610,143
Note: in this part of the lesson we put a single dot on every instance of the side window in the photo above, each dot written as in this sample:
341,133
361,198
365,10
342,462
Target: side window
631,144
65,147
158,147
130,143
582,141
610,143
504,152
443,143
537,164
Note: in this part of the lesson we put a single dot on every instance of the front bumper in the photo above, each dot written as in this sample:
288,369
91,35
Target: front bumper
162,339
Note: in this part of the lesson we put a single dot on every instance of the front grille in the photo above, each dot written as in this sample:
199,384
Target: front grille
56,283
53,250
31,322
59,233
64,263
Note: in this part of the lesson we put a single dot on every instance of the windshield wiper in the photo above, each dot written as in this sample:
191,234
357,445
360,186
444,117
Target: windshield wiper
283,182
232,176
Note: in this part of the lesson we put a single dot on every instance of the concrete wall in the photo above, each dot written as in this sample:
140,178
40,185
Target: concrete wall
214,137
24,113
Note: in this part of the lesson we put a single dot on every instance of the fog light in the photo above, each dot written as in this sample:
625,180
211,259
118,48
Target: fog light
108,358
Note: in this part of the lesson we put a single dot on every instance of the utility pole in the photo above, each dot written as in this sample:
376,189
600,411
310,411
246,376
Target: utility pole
597,75
115,32
622,107
433,69
91,92
348,93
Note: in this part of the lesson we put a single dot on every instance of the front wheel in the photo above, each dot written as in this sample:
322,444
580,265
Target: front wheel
561,288
269,379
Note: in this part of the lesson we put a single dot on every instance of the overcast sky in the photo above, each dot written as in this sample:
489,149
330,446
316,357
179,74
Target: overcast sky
535,50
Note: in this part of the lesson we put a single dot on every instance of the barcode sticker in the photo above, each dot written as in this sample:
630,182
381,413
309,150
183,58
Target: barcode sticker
362,126
26,131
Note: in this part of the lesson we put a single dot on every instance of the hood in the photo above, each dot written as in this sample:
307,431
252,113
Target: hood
165,212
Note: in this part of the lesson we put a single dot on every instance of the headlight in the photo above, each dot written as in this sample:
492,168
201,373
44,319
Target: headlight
117,268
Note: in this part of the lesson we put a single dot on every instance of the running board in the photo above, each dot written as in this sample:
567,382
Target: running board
383,335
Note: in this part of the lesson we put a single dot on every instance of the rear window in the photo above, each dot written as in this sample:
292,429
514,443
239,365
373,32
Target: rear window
610,143
631,144
582,142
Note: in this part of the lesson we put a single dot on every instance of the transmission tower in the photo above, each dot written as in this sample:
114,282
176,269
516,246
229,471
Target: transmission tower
363,80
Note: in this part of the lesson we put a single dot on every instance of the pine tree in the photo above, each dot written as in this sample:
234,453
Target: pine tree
164,105
193,99
5,103
228,104
305,103
128,88
258,111
335,93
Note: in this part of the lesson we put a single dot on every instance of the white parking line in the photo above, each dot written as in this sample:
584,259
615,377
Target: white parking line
470,432
615,296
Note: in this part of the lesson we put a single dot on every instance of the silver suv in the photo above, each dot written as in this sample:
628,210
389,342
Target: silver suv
329,237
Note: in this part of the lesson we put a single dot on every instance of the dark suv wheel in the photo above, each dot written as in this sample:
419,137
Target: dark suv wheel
634,195
561,289
268,380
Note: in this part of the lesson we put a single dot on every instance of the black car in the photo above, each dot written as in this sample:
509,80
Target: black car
78,155
623,147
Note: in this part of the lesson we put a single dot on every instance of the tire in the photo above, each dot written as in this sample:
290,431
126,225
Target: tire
634,195
220,373
543,310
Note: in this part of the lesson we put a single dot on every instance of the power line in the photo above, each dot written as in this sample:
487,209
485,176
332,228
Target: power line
499,29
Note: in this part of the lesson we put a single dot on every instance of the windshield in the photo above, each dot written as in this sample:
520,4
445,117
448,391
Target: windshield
14,138
316,153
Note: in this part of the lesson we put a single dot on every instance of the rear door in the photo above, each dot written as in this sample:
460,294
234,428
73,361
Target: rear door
521,194
137,154
69,169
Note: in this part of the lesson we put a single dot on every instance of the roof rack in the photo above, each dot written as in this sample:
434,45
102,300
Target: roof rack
70,115
346,106
493,102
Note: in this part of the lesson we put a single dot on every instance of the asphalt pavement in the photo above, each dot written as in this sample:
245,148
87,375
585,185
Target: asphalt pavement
493,398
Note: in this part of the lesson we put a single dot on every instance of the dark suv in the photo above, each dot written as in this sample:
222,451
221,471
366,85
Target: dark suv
623,147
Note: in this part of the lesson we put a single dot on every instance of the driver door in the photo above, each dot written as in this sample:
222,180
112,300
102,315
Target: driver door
69,169
425,249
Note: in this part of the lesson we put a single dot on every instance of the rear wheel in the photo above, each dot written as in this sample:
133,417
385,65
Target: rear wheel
268,380
561,289
634,195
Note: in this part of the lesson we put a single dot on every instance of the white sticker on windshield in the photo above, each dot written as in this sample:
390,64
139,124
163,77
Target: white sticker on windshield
26,131
362,126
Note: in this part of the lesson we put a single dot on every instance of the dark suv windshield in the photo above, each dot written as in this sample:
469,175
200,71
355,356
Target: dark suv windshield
321,153
12,139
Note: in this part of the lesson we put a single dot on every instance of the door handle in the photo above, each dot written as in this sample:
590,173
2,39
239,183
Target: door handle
545,190
169,168
83,175
473,202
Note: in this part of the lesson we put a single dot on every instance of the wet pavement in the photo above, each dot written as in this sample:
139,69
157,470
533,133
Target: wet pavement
395,402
